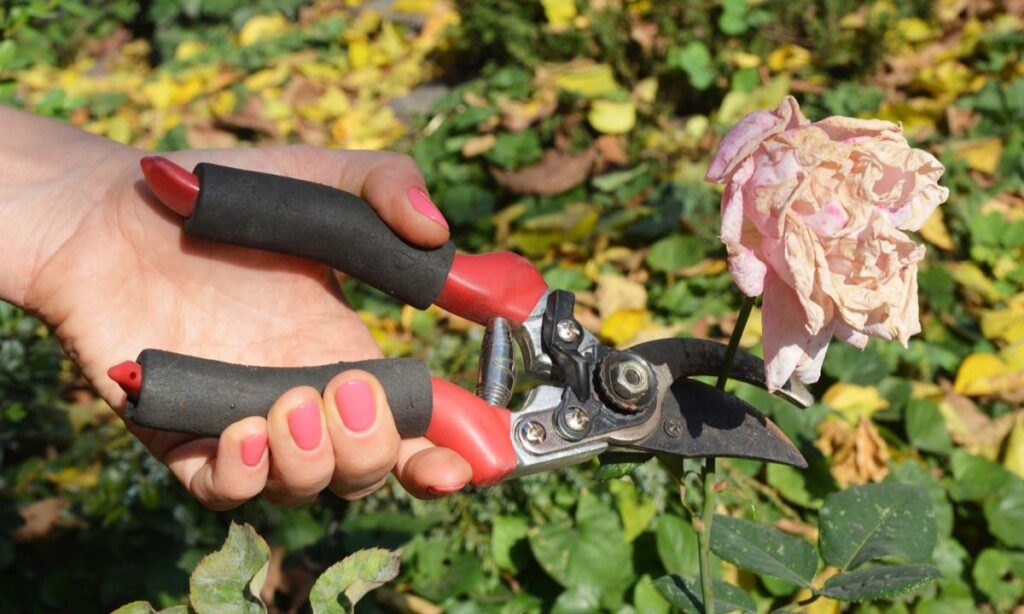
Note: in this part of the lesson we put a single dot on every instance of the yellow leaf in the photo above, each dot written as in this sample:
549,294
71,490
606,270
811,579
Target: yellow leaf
615,293
1014,457
624,324
587,80
559,13
980,154
224,103
646,90
745,60
119,129
789,57
968,275
262,27
76,477
189,49
854,401
934,231
268,77
736,104
612,117
358,53
914,30
983,373
1006,324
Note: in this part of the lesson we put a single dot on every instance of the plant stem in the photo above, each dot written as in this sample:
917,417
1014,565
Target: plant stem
708,471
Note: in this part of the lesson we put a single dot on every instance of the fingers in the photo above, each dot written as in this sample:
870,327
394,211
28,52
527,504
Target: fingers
362,432
300,449
427,471
393,186
224,473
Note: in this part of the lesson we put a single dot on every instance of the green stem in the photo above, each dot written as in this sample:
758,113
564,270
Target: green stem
708,471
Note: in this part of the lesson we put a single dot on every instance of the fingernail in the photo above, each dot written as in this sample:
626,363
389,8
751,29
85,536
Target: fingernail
253,448
304,424
440,491
421,202
356,405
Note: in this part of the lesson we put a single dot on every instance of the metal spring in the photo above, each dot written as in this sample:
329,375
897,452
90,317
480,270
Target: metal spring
497,371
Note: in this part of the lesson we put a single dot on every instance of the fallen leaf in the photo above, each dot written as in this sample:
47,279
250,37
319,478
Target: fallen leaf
40,518
934,231
1013,459
519,115
979,154
559,13
612,117
585,78
615,293
789,58
972,428
262,27
854,402
968,275
478,145
612,149
555,173
858,453
983,373
623,325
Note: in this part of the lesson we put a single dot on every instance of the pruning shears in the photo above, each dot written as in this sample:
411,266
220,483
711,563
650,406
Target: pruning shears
591,397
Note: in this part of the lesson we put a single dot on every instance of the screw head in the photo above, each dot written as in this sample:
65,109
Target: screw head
534,432
630,380
568,330
577,420
673,428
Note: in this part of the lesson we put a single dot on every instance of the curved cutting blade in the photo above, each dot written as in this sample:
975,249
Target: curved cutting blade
687,357
701,420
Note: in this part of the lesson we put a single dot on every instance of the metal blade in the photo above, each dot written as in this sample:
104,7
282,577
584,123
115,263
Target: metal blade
687,357
701,420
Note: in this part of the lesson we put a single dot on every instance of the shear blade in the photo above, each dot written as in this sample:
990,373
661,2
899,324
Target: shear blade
701,420
688,357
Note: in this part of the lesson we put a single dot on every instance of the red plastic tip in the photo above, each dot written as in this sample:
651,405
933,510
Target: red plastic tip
174,186
128,376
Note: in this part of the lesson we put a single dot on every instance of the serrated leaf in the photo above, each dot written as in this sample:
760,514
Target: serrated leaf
343,584
635,511
763,549
506,532
684,592
877,582
230,579
868,522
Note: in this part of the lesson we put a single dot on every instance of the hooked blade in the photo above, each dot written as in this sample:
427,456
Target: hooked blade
688,357
701,420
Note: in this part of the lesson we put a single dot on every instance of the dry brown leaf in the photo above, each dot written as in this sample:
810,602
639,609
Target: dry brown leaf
201,133
960,120
858,453
250,117
616,293
555,173
645,34
40,518
519,115
478,145
612,149
972,428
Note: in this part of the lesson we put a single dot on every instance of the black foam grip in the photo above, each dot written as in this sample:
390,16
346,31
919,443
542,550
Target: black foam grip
195,395
290,216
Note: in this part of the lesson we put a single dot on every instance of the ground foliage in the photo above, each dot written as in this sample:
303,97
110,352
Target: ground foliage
576,134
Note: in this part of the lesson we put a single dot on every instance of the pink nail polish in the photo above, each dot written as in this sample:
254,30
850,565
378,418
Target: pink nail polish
421,202
304,424
356,405
253,448
440,491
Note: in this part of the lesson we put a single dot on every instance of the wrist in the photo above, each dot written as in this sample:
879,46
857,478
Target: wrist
51,177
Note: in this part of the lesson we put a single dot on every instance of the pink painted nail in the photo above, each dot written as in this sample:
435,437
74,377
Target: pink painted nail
253,448
356,405
304,424
421,202
440,491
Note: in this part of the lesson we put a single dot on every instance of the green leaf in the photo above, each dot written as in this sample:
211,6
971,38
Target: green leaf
593,552
506,532
1005,514
684,593
135,607
343,584
806,488
763,549
635,511
515,149
696,61
582,599
925,427
230,579
1000,575
675,252
877,582
977,477
868,522
676,542
648,599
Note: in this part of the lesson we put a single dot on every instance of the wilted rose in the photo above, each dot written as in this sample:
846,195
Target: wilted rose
813,216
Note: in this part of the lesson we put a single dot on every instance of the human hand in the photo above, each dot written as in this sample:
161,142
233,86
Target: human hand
110,270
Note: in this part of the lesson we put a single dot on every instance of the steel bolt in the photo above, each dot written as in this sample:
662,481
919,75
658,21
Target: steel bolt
577,420
629,380
533,432
568,330
673,428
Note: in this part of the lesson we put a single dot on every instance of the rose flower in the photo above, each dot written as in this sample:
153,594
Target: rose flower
813,216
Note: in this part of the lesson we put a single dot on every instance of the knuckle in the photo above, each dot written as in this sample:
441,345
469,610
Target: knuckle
343,491
371,464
